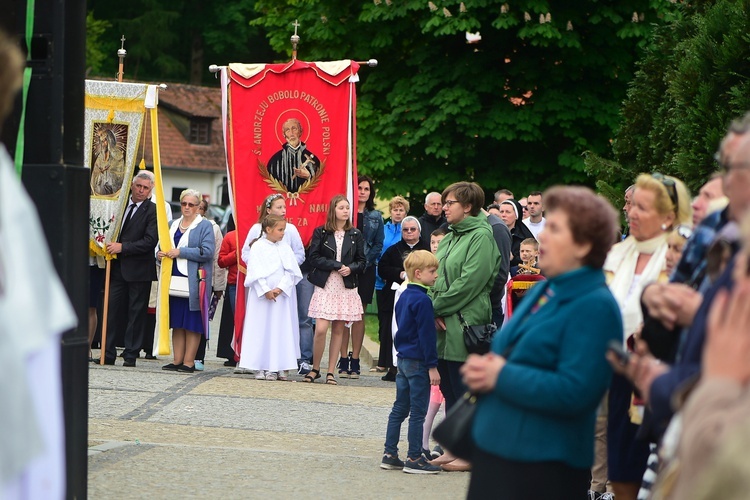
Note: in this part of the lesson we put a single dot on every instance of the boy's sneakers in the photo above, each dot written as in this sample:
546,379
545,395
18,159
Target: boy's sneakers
436,452
420,466
390,462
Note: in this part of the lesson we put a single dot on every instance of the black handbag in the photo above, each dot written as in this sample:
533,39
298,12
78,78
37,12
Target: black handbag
477,338
454,432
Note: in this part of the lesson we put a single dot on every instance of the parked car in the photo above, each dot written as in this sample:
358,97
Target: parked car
225,220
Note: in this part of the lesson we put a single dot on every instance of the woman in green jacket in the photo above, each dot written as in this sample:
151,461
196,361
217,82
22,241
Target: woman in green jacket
469,262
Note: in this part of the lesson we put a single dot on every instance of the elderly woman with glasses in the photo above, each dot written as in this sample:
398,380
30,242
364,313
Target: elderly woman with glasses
193,255
391,271
659,204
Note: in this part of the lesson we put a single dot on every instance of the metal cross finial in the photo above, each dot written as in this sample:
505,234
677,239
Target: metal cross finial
295,39
121,55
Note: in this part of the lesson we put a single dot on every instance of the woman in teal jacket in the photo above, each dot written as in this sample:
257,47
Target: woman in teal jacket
469,261
546,373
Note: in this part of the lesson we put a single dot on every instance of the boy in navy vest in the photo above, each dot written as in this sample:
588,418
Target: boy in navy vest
416,343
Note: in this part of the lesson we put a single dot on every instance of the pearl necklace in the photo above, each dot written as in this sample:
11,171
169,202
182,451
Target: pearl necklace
184,228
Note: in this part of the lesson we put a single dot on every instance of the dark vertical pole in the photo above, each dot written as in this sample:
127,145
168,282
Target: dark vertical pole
56,180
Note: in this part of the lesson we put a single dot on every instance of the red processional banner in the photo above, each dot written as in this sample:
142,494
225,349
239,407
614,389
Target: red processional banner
290,129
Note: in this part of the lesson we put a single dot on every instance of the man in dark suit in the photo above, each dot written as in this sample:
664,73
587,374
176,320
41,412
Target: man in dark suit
133,270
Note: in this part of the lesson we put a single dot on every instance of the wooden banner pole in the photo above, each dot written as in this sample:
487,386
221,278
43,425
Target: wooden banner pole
105,310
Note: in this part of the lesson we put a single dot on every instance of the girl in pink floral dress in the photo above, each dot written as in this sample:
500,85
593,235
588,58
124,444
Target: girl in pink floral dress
337,256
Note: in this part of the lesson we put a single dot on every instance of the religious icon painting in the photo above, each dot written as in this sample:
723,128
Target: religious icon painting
108,158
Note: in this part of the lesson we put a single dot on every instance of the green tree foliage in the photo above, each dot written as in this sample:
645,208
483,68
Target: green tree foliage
175,40
95,29
516,110
688,87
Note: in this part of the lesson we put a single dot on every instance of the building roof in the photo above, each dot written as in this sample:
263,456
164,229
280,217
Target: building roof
178,105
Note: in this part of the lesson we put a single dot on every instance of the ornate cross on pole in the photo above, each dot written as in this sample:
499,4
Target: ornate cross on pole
295,40
121,53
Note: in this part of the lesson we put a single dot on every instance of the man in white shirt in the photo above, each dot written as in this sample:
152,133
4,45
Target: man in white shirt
536,221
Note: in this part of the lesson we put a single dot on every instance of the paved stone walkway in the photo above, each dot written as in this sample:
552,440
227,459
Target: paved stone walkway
214,434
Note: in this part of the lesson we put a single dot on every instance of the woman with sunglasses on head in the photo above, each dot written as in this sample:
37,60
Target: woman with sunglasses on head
659,204
391,271
193,257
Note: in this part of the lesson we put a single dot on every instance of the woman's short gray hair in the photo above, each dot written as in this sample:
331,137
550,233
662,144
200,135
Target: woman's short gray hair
191,192
410,218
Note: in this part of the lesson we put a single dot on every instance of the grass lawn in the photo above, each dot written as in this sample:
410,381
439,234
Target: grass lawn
371,326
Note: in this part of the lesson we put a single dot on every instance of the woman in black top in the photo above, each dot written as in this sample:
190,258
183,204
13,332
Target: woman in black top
337,257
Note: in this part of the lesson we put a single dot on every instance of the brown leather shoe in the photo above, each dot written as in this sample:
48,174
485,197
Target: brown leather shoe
457,465
443,459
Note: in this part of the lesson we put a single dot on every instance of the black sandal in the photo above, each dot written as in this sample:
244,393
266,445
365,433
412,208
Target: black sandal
310,378
331,379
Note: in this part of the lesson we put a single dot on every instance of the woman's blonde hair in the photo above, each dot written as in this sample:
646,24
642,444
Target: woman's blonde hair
191,192
666,188
399,200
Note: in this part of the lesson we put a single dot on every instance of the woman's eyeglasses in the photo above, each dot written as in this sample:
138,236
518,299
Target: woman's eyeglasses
409,229
188,204
449,203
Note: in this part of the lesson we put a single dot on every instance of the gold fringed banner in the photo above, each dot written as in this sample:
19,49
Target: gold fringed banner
112,130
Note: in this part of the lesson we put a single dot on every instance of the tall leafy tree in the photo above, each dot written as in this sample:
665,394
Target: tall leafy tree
688,87
516,109
176,40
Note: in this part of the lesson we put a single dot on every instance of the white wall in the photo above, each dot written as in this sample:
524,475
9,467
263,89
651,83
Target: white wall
208,183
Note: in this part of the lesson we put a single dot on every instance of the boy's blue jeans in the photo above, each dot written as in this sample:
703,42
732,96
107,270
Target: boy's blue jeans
412,399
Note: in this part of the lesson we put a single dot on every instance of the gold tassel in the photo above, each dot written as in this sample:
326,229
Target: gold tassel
142,164
111,116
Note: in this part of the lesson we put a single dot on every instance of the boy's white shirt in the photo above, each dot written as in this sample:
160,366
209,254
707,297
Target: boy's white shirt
394,327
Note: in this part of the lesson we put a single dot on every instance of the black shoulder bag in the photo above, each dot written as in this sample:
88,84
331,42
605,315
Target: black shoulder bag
454,432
